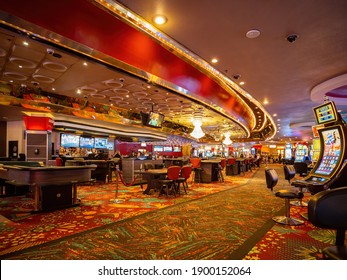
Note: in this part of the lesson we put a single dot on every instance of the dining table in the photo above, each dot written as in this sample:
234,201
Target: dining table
152,176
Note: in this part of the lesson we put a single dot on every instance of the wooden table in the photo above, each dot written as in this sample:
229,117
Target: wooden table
151,175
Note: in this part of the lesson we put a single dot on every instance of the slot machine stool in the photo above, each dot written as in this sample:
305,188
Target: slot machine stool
271,181
328,209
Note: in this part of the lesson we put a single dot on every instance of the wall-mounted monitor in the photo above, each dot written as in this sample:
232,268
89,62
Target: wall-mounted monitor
86,142
177,149
110,146
326,113
69,140
155,119
100,143
158,148
167,149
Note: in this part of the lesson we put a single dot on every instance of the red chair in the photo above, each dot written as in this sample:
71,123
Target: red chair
173,173
59,162
231,166
197,170
186,171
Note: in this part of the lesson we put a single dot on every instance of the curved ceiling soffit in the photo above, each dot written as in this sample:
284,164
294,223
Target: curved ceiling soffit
39,17
46,36
232,90
335,89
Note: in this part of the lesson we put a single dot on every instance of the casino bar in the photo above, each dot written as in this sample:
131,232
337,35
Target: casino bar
120,138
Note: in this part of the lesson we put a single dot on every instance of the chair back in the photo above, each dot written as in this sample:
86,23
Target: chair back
173,172
289,172
58,161
231,161
301,168
328,209
186,171
196,162
271,178
223,163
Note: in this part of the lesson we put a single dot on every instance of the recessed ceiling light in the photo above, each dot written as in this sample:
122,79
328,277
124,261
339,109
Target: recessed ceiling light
242,83
253,33
160,19
214,60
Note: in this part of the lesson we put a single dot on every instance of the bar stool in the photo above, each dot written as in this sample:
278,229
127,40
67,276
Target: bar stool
197,170
271,181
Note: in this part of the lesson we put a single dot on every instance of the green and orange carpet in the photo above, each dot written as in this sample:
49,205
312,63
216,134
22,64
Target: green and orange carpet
229,220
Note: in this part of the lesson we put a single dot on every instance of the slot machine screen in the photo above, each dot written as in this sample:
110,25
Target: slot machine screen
331,152
325,113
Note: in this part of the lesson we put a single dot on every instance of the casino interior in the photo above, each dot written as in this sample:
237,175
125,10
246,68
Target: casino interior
218,133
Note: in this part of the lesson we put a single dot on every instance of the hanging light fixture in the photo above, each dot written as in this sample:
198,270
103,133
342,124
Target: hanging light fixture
197,121
227,141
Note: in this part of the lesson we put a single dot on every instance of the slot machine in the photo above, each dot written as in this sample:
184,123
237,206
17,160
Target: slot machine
330,170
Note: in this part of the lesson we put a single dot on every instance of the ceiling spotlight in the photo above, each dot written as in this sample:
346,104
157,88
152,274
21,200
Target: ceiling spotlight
160,20
253,33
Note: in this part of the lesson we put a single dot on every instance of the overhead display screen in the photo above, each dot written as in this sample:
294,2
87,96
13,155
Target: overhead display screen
331,151
325,113
69,140
101,143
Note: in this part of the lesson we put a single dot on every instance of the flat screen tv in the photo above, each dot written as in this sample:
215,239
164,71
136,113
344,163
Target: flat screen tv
177,149
86,142
331,152
110,146
155,119
326,113
69,140
100,143
158,148
167,149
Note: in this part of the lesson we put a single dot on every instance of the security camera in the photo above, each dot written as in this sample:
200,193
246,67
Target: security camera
292,38
237,76
50,51
121,80
85,97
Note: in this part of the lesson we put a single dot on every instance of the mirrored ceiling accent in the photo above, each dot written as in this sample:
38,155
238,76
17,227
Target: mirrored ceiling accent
113,83
88,90
54,66
116,98
140,94
121,91
23,63
15,76
43,79
98,95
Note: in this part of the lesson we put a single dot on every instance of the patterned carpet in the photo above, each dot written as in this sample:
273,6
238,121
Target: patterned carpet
230,220
19,229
